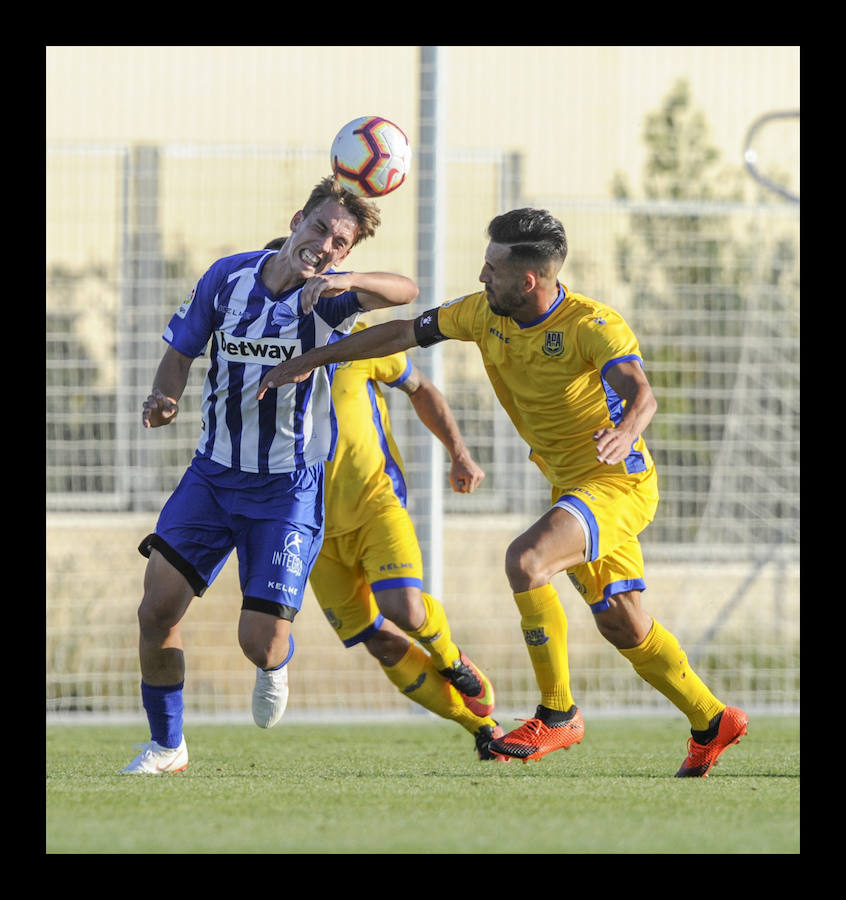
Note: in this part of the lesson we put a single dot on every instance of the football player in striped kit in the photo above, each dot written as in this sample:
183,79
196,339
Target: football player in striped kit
255,484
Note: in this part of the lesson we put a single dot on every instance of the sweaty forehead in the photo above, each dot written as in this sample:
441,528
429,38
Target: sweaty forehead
336,217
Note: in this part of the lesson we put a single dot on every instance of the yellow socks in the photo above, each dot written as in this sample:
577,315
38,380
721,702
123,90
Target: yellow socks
661,661
434,634
545,633
416,677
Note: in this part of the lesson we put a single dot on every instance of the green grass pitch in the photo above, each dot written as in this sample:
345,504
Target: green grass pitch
417,788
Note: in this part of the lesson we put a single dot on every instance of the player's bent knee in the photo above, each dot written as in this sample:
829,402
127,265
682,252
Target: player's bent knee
402,606
515,561
625,624
167,596
263,638
387,646
523,566
159,614
555,543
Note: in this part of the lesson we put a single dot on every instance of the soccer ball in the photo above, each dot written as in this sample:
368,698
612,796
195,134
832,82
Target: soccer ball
370,156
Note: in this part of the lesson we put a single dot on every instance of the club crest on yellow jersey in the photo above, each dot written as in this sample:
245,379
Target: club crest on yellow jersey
553,344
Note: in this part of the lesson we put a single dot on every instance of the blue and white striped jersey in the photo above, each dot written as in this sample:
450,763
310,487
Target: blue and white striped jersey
251,330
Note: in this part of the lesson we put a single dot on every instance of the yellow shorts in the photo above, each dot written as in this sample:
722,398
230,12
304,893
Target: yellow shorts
382,554
612,511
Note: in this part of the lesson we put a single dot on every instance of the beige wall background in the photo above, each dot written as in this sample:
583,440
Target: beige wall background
95,577
576,112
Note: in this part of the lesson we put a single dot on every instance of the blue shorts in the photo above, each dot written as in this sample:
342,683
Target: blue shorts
274,522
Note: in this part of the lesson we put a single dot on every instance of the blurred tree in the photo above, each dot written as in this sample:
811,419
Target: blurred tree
695,269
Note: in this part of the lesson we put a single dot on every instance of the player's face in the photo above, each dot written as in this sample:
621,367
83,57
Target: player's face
320,240
502,280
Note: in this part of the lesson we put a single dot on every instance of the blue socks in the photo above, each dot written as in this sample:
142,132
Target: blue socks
164,706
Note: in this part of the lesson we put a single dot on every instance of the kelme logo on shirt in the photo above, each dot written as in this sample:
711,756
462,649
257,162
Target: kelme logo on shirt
265,350
553,344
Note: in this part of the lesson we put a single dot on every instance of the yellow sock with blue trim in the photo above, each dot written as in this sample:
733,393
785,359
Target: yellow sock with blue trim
416,677
435,635
545,633
660,661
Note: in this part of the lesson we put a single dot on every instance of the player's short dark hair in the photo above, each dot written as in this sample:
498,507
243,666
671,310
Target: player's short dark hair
365,212
535,236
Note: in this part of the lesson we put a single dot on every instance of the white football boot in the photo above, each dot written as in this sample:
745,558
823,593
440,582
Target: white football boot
270,696
157,760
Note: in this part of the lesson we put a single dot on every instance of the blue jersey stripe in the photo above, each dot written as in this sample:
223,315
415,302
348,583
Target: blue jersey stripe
233,411
404,377
634,461
392,467
209,405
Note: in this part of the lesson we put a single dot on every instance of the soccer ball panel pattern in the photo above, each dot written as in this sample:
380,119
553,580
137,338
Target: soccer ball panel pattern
371,156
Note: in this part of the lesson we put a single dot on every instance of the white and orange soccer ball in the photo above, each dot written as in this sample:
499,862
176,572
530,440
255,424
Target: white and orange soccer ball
370,156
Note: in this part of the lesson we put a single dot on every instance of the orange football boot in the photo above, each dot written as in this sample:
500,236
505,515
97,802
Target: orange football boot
700,757
540,735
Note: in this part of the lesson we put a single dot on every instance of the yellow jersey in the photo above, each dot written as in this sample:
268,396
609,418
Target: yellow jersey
366,471
549,377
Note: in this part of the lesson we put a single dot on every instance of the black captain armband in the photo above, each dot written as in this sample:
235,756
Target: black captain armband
426,331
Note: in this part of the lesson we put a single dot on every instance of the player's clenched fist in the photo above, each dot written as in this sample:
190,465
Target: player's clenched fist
158,410
465,475
613,445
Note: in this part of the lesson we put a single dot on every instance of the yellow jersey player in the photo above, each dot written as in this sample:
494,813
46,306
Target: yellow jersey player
368,578
568,371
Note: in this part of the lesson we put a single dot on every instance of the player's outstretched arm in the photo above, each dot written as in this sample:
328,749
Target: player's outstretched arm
162,403
378,290
378,340
375,290
434,412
